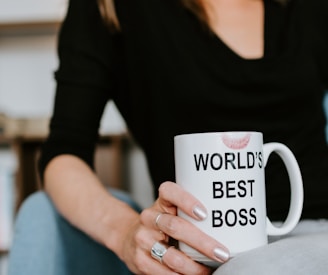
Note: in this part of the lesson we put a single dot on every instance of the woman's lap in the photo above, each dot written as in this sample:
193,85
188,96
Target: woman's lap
45,243
303,252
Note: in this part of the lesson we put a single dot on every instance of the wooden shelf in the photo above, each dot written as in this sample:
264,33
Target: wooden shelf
3,252
108,161
29,24
30,27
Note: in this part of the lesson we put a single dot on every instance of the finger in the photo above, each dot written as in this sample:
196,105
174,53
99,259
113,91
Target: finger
180,263
144,262
176,260
150,217
146,237
184,231
175,227
171,194
150,266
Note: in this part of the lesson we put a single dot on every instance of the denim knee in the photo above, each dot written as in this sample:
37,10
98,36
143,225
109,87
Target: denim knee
36,246
46,244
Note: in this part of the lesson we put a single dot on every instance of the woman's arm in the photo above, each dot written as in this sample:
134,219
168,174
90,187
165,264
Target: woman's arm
83,200
86,80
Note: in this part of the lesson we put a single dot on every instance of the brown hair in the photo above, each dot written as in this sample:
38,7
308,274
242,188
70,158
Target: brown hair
107,9
197,8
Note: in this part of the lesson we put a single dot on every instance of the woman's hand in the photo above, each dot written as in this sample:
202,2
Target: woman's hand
159,223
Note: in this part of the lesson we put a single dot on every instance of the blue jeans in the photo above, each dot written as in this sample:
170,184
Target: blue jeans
46,244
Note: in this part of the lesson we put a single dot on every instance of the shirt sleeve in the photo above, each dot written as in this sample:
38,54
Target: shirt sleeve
85,81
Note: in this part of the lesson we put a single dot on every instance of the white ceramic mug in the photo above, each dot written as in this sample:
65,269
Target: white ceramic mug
225,172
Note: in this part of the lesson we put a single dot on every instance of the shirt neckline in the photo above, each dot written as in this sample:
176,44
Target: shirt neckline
228,50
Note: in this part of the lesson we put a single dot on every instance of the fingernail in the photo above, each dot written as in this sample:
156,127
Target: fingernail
200,213
221,254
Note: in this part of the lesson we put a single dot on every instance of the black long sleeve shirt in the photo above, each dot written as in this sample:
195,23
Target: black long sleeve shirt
169,75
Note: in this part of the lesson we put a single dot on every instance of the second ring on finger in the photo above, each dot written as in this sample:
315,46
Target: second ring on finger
169,224
157,219
175,260
165,237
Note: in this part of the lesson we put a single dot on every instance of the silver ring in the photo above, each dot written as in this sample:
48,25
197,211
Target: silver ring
157,219
158,251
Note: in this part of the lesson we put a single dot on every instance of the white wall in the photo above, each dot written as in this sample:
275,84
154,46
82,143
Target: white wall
31,10
27,56
27,63
28,60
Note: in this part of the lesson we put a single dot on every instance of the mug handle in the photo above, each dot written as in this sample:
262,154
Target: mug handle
296,184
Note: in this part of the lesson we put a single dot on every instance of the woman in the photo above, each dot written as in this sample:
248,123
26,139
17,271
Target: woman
188,66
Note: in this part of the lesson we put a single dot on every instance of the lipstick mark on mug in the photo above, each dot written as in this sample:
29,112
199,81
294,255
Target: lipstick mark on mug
236,143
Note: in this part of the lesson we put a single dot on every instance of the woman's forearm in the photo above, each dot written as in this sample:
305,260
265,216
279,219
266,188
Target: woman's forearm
82,199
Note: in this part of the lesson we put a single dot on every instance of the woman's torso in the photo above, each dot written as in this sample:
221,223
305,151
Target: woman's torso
181,79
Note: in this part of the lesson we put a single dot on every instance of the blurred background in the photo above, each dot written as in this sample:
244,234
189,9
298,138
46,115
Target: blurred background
28,37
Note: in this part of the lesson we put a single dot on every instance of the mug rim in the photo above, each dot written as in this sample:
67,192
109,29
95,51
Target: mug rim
216,133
